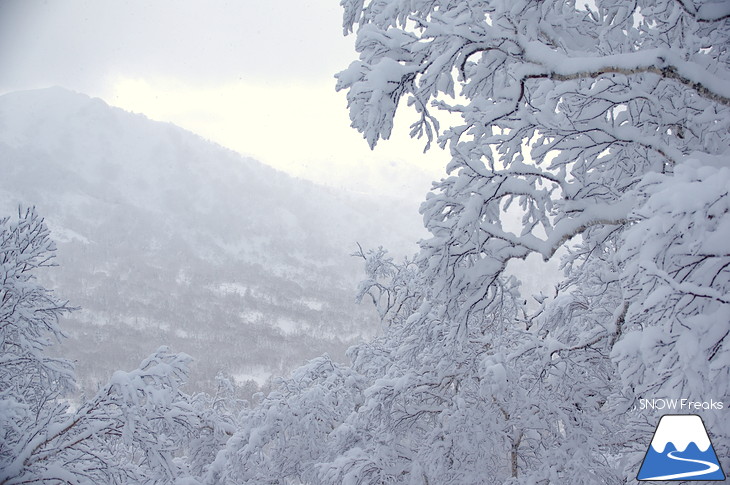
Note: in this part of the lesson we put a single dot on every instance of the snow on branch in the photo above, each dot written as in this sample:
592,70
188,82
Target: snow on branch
662,62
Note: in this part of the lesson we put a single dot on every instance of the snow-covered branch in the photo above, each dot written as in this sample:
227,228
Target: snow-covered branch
600,132
662,62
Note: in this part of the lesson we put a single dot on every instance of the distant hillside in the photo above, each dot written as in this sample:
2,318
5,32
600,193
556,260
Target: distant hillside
165,238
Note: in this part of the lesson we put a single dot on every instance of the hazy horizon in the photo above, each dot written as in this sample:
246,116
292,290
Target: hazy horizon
241,75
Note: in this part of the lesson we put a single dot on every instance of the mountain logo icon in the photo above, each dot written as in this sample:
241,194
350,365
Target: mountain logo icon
681,450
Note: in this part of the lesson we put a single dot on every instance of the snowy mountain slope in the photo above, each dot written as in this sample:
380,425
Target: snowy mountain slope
680,430
165,238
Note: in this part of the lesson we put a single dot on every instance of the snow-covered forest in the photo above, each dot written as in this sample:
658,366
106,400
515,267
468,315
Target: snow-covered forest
602,128
167,239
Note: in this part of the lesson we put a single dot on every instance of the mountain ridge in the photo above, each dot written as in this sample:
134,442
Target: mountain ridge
155,225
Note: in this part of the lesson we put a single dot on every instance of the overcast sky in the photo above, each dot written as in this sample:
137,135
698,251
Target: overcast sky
253,75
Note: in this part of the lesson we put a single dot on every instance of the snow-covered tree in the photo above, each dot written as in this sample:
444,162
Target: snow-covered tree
139,428
31,383
29,313
217,417
606,127
285,437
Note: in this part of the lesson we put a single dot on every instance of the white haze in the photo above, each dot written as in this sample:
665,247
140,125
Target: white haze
256,77
165,238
